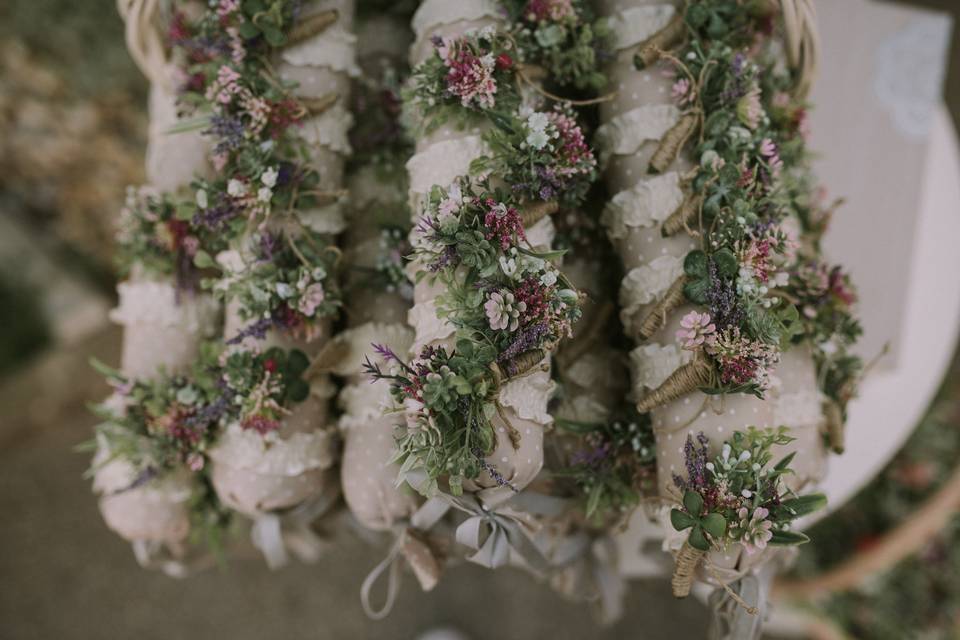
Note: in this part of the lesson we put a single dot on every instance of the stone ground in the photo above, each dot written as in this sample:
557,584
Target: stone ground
63,575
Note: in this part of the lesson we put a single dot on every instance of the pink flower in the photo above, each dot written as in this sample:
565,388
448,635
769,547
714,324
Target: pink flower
768,149
311,299
503,311
697,330
469,76
195,461
749,109
755,530
682,91
541,10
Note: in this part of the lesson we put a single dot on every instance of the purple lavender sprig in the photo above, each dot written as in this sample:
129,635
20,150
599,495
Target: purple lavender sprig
490,469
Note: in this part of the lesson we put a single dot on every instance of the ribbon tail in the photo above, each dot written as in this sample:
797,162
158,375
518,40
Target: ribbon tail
393,583
268,538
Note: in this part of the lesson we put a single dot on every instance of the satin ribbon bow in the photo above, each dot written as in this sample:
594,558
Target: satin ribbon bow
274,534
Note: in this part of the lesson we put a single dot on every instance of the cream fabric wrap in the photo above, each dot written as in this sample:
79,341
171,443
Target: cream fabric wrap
160,330
368,478
157,511
256,474
635,121
173,160
440,158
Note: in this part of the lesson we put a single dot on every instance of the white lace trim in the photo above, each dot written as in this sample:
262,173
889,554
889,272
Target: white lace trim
428,327
328,219
363,402
358,340
329,129
432,13
528,395
650,201
636,24
334,48
118,474
644,284
155,303
271,455
626,133
653,363
542,233
443,162
799,409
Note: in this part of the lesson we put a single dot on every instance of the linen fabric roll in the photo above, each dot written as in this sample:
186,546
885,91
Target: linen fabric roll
634,122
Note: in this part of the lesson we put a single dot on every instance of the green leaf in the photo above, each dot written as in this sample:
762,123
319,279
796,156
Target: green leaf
593,501
693,503
297,362
714,524
785,463
681,520
726,262
805,504
788,538
297,390
273,35
248,30
203,260
696,290
697,540
695,264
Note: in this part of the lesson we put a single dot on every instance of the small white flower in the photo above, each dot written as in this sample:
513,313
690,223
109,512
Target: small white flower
549,278
264,194
284,290
709,466
236,188
202,198
746,493
537,121
537,139
508,266
269,177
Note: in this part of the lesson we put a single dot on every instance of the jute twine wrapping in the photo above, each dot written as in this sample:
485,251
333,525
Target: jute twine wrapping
684,216
536,211
684,569
833,424
672,141
516,366
687,378
311,26
657,316
655,45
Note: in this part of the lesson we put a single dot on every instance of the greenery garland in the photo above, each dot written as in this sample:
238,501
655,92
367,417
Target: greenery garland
760,289
510,306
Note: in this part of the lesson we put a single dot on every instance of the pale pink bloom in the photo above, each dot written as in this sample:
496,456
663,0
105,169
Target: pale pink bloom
755,531
749,109
311,299
195,461
682,91
503,311
696,330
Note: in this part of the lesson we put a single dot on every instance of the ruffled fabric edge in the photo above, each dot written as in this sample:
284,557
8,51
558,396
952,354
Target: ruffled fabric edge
356,344
636,24
433,13
441,163
648,202
626,133
529,395
653,363
329,129
642,285
148,302
271,455
335,49
428,327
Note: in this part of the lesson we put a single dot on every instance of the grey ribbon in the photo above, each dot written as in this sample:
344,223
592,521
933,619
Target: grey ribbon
274,534
493,534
